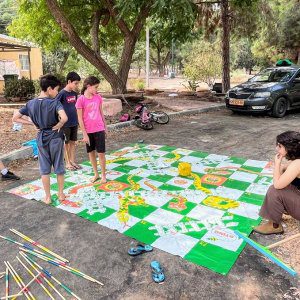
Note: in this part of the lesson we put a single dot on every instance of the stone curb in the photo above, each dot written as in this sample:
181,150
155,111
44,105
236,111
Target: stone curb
26,151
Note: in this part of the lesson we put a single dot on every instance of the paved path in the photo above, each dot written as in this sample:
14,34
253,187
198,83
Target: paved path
102,252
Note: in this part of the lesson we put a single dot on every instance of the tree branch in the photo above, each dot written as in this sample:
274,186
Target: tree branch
140,21
95,31
119,21
75,40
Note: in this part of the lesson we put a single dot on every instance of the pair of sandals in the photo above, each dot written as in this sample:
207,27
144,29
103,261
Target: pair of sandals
158,275
74,167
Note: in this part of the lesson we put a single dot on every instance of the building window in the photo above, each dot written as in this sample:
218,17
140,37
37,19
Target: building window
24,61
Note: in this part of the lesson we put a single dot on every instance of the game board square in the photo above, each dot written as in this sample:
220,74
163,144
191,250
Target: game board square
247,210
71,209
149,184
177,244
194,196
256,188
153,147
158,153
235,184
181,182
243,176
227,192
180,207
67,184
183,151
114,223
135,163
167,148
199,154
141,211
163,217
201,212
228,165
25,190
190,159
252,198
141,172
213,179
160,178
113,174
255,163
156,198
170,188
222,237
97,216
112,166
141,232
111,200
199,168
217,159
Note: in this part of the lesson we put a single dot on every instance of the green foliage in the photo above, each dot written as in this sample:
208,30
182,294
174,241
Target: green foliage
8,9
203,64
19,88
243,58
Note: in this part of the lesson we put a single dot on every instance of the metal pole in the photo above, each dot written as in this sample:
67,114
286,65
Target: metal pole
147,57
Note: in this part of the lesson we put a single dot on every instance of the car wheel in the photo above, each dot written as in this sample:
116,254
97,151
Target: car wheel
279,107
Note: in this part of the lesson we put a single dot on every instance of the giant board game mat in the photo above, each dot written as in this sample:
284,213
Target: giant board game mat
145,199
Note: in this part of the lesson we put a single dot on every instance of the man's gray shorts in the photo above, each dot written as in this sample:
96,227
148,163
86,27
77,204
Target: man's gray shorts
52,155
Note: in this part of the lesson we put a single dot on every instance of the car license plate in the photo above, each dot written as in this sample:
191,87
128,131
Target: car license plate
239,102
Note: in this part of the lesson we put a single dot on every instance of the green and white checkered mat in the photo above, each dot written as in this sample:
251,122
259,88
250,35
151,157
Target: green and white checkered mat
145,199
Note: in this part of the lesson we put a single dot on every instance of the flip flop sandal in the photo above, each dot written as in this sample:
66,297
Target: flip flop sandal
77,167
71,168
158,275
139,249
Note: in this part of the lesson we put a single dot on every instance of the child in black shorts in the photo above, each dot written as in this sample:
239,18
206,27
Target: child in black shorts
92,124
68,98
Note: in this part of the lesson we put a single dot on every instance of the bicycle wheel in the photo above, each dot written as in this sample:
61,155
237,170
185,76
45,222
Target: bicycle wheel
160,117
145,126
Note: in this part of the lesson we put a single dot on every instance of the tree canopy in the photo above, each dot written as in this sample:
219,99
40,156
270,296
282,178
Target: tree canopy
97,29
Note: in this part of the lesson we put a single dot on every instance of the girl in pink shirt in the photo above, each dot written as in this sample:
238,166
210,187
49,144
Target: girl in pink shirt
92,124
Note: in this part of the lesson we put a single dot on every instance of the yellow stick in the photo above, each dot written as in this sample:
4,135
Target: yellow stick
22,290
47,281
26,238
16,278
38,281
284,241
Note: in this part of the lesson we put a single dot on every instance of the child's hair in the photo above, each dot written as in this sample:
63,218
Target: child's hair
73,76
91,80
291,141
49,80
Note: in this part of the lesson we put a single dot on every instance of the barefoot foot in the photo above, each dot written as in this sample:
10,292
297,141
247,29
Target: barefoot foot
47,200
61,197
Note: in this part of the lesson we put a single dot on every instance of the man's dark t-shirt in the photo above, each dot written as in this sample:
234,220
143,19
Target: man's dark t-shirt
44,114
68,100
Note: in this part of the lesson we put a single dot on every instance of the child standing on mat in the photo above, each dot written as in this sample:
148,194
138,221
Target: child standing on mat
49,117
92,123
68,97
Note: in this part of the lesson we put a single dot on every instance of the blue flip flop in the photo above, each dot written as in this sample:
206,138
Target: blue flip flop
139,249
158,275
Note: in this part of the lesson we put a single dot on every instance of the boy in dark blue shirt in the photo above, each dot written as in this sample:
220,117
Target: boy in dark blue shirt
68,97
49,117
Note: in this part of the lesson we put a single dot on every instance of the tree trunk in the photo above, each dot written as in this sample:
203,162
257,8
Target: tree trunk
64,61
117,81
225,46
298,60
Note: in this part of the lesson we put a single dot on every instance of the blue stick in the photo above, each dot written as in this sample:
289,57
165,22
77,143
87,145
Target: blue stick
263,250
